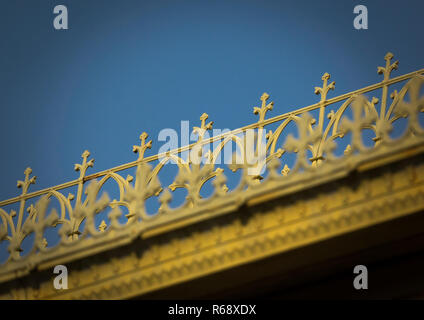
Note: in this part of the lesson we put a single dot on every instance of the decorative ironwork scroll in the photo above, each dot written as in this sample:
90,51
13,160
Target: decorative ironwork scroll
341,123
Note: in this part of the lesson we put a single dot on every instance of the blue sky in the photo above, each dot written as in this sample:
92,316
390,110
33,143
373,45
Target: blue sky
127,66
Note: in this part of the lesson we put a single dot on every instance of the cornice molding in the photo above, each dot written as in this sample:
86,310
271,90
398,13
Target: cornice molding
271,229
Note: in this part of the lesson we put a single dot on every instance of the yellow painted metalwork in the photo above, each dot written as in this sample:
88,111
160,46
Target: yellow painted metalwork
316,138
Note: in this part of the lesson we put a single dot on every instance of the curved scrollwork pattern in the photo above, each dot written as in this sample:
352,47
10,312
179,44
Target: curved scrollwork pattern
259,150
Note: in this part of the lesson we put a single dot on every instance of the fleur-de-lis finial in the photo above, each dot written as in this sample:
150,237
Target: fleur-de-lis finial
203,119
27,172
143,146
387,70
203,126
325,87
264,108
16,242
285,171
82,168
102,226
27,182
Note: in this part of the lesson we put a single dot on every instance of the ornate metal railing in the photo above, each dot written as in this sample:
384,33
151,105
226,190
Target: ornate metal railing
75,221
